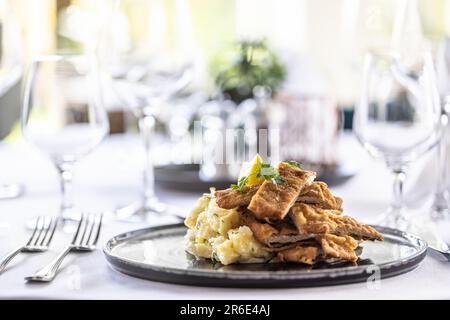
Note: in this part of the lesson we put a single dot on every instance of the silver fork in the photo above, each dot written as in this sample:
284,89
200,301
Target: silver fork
85,239
39,241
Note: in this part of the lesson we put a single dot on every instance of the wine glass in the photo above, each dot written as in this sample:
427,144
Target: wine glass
151,63
397,119
441,203
63,115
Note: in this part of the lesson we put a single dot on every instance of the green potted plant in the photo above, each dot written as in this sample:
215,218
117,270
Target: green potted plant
249,64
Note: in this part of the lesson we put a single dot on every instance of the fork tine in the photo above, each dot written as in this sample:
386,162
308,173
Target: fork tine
40,231
91,230
86,226
55,224
45,230
36,226
98,230
78,229
50,232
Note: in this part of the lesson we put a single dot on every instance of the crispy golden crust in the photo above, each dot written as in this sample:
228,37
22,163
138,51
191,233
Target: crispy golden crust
299,254
339,247
275,237
349,226
311,219
263,232
319,194
272,201
230,198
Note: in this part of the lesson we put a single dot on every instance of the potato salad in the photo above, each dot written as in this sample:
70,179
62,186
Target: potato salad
218,234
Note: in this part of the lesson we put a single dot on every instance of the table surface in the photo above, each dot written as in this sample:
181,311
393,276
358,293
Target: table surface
111,177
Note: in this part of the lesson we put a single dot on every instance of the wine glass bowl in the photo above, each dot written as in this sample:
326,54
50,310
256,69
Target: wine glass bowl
157,60
156,63
63,114
397,119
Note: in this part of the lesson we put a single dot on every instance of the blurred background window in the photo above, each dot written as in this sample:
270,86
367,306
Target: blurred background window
331,34
325,38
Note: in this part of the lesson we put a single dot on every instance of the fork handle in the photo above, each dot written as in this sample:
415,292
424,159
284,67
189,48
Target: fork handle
4,262
48,272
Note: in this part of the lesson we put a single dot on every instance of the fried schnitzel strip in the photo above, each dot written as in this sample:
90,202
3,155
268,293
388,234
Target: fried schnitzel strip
311,219
273,200
275,237
339,247
231,198
299,254
319,194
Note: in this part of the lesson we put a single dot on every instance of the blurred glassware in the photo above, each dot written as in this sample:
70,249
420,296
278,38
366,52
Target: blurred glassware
242,119
441,202
312,138
10,75
151,59
178,120
252,123
397,119
63,115
214,117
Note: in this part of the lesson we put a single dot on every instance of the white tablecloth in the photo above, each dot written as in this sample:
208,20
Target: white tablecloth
110,177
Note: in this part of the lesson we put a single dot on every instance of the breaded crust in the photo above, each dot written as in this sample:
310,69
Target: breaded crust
299,254
231,198
339,247
310,219
319,194
275,237
273,200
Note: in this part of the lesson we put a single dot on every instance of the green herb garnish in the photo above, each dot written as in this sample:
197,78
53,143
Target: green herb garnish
240,185
294,164
270,173
278,179
266,171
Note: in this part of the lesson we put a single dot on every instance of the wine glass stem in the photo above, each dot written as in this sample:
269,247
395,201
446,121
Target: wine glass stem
441,203
399,182
146,127
443,158
66,176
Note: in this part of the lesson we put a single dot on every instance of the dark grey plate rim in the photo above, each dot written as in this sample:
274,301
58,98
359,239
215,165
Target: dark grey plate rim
284,278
